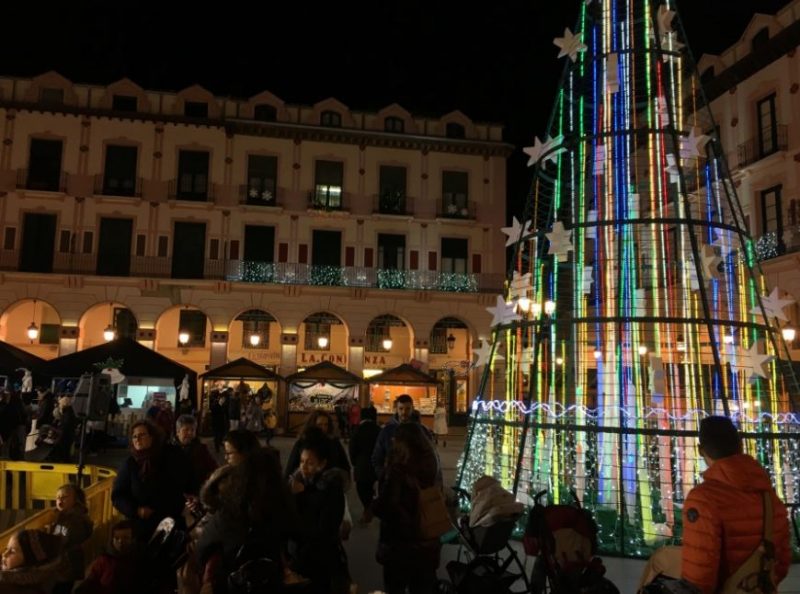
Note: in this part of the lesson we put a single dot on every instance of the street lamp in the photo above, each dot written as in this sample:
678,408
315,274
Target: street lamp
642,350
598,354
33,331
255,340
183,337
108,333
387,344
322,342
789,334
549,307
451,342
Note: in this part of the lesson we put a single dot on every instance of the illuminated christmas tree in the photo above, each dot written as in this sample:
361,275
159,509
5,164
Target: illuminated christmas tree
635,305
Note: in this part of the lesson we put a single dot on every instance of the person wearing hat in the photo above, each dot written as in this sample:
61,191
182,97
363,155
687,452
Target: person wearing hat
723,518
31,563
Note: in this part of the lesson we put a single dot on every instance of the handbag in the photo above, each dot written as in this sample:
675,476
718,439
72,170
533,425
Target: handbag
757,574
434,520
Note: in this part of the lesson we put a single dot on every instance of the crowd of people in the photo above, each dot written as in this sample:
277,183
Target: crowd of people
295,514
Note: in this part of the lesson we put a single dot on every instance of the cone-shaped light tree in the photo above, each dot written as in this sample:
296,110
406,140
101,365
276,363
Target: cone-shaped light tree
635,305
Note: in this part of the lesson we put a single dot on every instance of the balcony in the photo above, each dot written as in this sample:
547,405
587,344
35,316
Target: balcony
392,203
354,276
258,196
326,198
114,186
65,263
42,183
456,209
752,151
193,192
770,246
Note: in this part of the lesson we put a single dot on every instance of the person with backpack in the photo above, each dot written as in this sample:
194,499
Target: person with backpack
735,528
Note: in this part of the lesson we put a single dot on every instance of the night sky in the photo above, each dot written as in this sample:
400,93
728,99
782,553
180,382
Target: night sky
495,61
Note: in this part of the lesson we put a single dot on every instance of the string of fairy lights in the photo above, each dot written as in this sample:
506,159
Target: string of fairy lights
635,306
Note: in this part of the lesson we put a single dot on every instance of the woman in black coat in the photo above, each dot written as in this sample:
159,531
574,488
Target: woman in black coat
362,444
151,484
325,421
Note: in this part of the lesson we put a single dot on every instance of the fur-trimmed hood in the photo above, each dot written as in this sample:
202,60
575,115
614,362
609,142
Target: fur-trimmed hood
211,492
35,578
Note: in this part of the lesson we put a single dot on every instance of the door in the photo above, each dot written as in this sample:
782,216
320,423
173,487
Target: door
391,251
38,243
114,248
188,250
44,165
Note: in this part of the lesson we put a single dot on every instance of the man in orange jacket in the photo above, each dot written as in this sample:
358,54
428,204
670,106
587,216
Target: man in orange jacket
723,518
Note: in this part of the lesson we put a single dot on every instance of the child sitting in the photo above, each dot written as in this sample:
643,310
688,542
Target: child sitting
73,524
114,572
31,563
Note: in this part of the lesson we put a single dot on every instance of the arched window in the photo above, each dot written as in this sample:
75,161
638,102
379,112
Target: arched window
392,124
332,119
453,130
265,113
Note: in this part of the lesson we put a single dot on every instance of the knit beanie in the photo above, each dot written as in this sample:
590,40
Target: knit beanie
38,547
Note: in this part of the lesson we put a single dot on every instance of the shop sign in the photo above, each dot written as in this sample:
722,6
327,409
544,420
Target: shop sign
320,357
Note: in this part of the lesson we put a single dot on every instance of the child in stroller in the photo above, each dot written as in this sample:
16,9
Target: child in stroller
564,540
485,534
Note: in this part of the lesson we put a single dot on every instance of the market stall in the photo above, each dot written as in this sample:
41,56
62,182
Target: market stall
19,370
247,378
322,386
404,379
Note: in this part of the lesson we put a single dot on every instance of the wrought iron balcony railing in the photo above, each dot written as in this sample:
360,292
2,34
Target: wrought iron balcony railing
393,203
326,198
456,209
760,147
41,182
258,195
107,185
194,191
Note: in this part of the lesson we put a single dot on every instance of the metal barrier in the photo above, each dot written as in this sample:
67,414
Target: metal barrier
29,489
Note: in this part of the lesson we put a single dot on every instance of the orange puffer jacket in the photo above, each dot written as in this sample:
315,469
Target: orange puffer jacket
723,522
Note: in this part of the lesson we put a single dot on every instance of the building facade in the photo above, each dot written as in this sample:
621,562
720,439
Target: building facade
753,89
210,228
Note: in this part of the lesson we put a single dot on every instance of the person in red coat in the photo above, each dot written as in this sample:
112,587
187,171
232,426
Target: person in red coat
115,571
723,517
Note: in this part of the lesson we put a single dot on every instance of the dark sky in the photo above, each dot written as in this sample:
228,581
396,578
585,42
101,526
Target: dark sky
495,61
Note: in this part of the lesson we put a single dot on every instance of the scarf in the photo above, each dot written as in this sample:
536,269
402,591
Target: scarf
147,460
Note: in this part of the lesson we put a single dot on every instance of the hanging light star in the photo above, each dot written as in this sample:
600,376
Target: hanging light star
484,354
549,149
692,145
503,313
570,44
664,18
754,361
517,231
710,262
774,306
560,242
520,285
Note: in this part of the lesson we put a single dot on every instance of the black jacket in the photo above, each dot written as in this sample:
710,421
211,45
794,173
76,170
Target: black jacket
362,444
163,490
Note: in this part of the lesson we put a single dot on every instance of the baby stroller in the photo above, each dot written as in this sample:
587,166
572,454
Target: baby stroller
484,536
564,540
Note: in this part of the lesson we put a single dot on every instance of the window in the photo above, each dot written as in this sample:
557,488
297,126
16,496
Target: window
64,241
49,333
438,341
453,130
119,175
771,212
88,242
255,323
326,248
193,322
767,126
332,119
455,186
313,332
140,245
328,177
10,238
125,323
391,252
192,175
454,255
396,125
760,39
124,103
51,96
392,195
163,246
261,179
195,109
380,329
265,113
44,165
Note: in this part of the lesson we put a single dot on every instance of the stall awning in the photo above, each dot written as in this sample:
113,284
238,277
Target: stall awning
137,361
403,375
241,368
13,358
325,371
